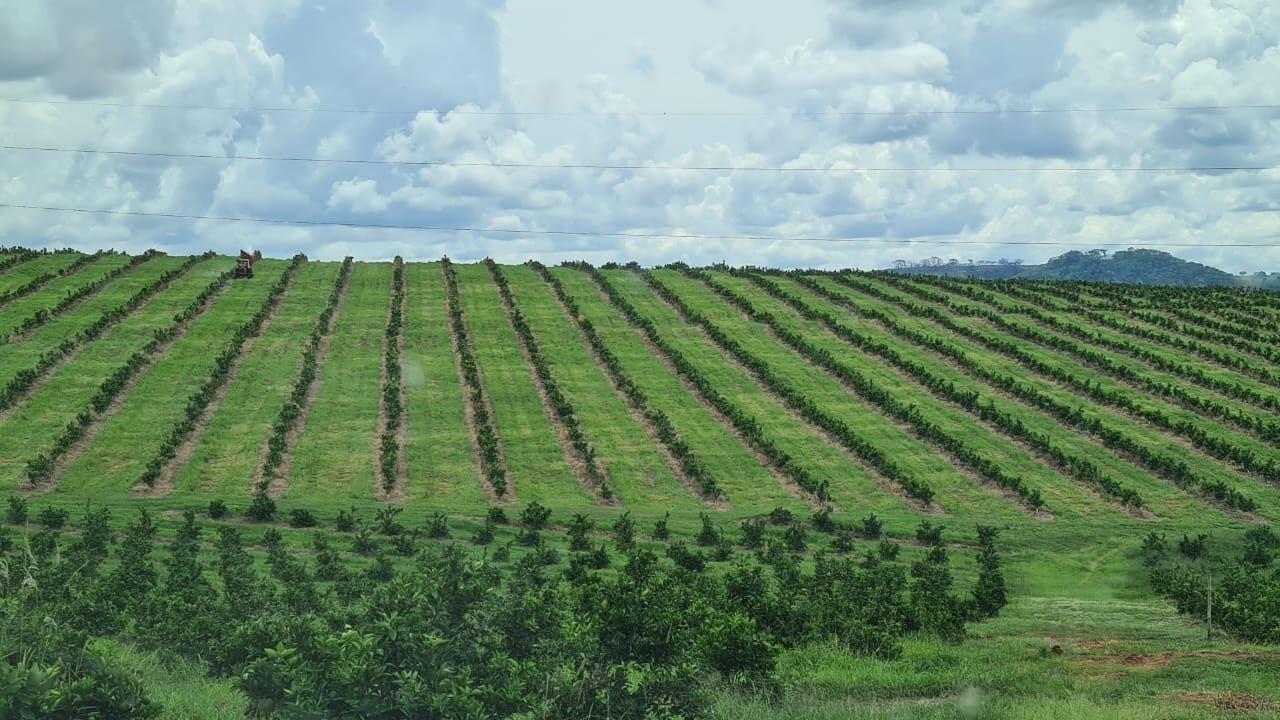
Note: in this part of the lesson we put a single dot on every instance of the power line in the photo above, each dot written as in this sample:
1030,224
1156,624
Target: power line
658,168
592,233
656,114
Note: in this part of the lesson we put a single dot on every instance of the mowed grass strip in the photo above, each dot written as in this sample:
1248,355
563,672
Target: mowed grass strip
1150,437
15,313
635,466
226,457
1062,498
18,356
334,457
442,470
536,465
34,424
954,492
24,273
117,455
747,484
850,484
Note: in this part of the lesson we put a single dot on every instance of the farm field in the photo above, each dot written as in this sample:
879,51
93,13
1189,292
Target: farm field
1074,418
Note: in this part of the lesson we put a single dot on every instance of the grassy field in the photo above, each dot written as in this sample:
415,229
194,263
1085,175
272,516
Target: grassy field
1147,386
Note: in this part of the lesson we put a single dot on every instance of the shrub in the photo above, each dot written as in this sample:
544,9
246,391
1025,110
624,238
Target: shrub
660,529
217,509
438,526
872,527
262,508
497,516
299,518
53,518
929,534
18,510
535,516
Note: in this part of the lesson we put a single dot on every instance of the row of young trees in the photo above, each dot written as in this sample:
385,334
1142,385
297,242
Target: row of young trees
1213,444
392,392
792,396
972,401
1189,371
1261,425
491,461
223,364
263,507
39,281
445,635
43,315
1202,349
24,379
1172,468
40,468
742,421
690,464
865,388
15,257
555,396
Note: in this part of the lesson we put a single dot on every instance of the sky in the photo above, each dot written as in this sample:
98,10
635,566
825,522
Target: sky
746,86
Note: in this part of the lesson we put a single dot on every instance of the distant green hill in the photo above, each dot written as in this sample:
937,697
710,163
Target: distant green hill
1144,267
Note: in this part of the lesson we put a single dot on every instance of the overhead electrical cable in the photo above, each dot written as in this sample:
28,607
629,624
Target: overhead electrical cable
654,113
613,234
658,168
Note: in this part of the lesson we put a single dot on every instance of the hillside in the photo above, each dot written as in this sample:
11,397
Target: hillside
1077,418
1139,267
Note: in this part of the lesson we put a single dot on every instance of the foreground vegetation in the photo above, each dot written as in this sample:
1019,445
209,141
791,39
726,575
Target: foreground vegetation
691,431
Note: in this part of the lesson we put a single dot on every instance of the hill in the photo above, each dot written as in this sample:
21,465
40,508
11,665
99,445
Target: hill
1135,266
1077,418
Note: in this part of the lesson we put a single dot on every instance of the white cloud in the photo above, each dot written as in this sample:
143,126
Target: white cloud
800,78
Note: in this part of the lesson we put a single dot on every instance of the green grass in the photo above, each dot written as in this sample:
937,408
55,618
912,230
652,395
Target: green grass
228,453
636,468
334,457
12,314
32,426
442,470
536,463
1075,579
126,440
26,272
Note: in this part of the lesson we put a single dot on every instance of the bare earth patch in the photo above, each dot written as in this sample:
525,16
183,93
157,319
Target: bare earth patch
1230,701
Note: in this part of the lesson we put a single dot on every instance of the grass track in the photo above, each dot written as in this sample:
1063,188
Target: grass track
335,452
438,453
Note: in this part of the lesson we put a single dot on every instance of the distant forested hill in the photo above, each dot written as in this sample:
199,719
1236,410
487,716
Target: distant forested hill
1147,267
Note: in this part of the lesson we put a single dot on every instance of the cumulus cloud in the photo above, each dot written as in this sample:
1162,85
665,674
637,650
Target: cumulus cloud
855,89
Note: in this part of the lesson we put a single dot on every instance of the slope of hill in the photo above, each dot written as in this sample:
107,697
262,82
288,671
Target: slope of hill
1136,266
1078,418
